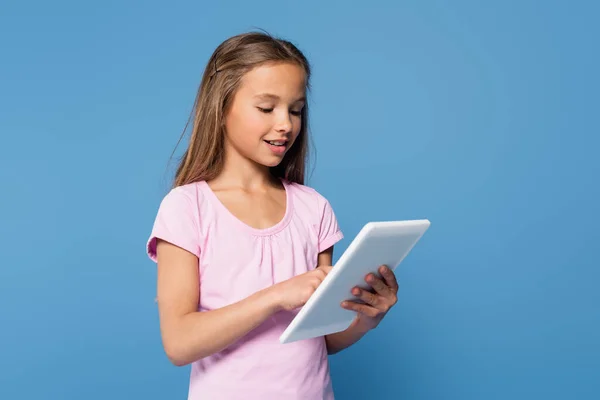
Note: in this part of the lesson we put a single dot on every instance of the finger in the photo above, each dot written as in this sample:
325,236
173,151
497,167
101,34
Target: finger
319,273
315,282
325,268
390,277
368,297
378,285
364,309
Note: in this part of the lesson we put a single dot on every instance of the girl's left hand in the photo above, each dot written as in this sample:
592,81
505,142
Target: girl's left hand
377,303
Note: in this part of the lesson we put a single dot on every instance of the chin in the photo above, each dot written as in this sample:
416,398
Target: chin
271,163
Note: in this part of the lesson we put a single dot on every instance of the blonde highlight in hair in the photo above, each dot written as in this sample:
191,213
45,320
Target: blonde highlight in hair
203,159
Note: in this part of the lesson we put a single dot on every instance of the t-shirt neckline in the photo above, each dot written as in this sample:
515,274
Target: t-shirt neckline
278,227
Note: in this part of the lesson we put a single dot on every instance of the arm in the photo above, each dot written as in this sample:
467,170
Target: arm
337,342
189,335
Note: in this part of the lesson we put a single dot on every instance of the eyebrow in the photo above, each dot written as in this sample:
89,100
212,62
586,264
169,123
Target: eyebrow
270,96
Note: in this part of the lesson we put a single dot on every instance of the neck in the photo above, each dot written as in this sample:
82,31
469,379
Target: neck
241,172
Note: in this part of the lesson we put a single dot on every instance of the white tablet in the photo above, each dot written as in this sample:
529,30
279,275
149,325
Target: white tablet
378,243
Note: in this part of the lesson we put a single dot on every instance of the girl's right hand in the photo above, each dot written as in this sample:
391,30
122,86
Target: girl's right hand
294,292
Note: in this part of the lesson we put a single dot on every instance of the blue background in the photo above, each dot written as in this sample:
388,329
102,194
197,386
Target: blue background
481,116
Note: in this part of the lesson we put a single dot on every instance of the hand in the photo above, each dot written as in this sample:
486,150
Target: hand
377,302
294,292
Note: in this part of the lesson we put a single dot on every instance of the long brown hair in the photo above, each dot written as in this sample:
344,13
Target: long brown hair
203,158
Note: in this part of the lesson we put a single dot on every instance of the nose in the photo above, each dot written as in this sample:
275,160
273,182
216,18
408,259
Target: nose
284,123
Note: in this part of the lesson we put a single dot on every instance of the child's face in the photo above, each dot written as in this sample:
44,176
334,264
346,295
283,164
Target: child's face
265,116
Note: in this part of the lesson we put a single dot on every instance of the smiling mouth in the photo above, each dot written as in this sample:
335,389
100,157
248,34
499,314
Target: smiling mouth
281,143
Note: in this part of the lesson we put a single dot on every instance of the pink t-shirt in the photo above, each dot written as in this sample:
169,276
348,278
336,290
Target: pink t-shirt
235,261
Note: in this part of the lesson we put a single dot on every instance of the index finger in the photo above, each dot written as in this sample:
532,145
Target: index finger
325,268
389,276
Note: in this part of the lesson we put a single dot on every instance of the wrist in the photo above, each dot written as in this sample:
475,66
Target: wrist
359,326
270,299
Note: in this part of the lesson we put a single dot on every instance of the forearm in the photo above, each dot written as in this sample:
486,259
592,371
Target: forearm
200,334
339,341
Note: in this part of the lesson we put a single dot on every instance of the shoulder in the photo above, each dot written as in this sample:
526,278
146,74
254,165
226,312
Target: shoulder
178,219
183,198
308,195
188,192
185,202
313,206
310,203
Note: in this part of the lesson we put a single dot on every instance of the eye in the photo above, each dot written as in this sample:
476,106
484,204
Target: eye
296,113
265,110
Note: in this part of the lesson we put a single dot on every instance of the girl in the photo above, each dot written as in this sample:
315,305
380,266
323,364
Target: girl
241,243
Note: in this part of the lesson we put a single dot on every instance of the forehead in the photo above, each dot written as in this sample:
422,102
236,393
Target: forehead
284,80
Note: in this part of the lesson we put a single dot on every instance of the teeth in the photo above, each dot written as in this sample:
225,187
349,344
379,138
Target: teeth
276,143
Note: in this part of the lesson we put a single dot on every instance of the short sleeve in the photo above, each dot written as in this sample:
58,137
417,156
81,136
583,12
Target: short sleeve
177,223
329,231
